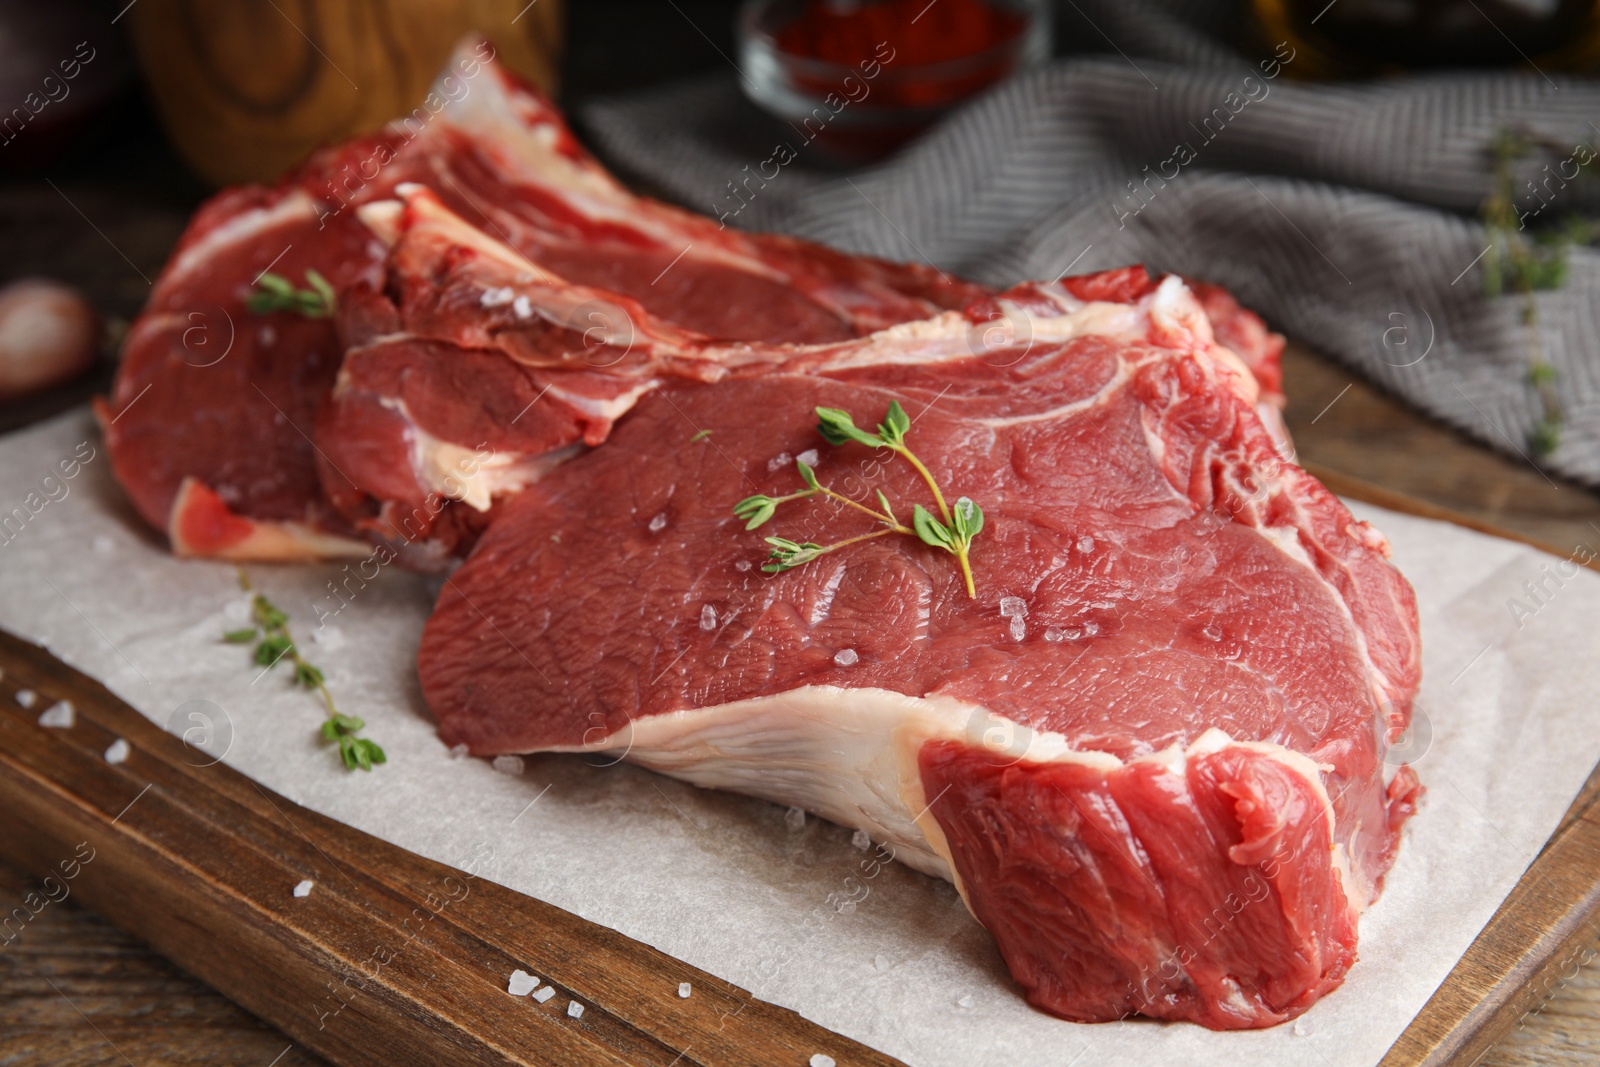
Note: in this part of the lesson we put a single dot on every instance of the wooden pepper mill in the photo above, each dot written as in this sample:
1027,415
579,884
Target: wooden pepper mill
247,88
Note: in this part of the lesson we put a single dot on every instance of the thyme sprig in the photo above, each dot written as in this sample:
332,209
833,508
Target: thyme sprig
1523,265
274,643
953,531
274,292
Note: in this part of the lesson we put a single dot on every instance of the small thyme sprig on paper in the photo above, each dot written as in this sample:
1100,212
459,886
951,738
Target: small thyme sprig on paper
273,643
274,292
953,532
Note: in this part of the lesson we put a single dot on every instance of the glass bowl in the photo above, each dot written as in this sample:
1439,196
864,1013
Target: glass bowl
856,80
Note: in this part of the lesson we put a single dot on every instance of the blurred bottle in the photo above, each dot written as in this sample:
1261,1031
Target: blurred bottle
1344,38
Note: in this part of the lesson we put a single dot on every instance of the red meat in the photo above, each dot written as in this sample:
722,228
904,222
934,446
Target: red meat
1149,752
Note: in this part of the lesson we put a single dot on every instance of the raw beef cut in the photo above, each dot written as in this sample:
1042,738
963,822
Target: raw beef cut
209,422
1149,752
472,370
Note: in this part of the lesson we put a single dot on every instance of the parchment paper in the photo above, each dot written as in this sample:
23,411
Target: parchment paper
1506,736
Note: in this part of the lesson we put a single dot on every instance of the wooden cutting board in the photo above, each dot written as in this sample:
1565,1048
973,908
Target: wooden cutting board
393,958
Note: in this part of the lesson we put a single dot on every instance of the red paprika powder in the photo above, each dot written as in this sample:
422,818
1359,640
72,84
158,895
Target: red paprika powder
961,43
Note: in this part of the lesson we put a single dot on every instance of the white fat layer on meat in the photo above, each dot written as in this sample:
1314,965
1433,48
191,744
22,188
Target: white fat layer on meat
594,313
382,217
521,139
1112,386
471,476
850,755
1169,317
428,210
268,541
1286,539
610,408
243,228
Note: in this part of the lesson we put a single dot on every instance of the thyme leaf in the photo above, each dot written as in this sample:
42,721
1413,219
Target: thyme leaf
1517,263
274,292
273,643
952,530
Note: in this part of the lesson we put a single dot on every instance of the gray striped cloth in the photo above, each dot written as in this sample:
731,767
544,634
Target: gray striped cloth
1346,214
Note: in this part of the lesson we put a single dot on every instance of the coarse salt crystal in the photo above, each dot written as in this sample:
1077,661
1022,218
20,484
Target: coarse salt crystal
521,984
782,459
1303,1027
795,818
966,1001
1091,628
684,989
460,751
1019,628
1086,544
118,752
658,523
575,1010
708,618
861,839
523,307
493,298
1013,607
26,698
743,565
508,764
809,457
60,715
846,657
303,889
819,1059
882,962
545,994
